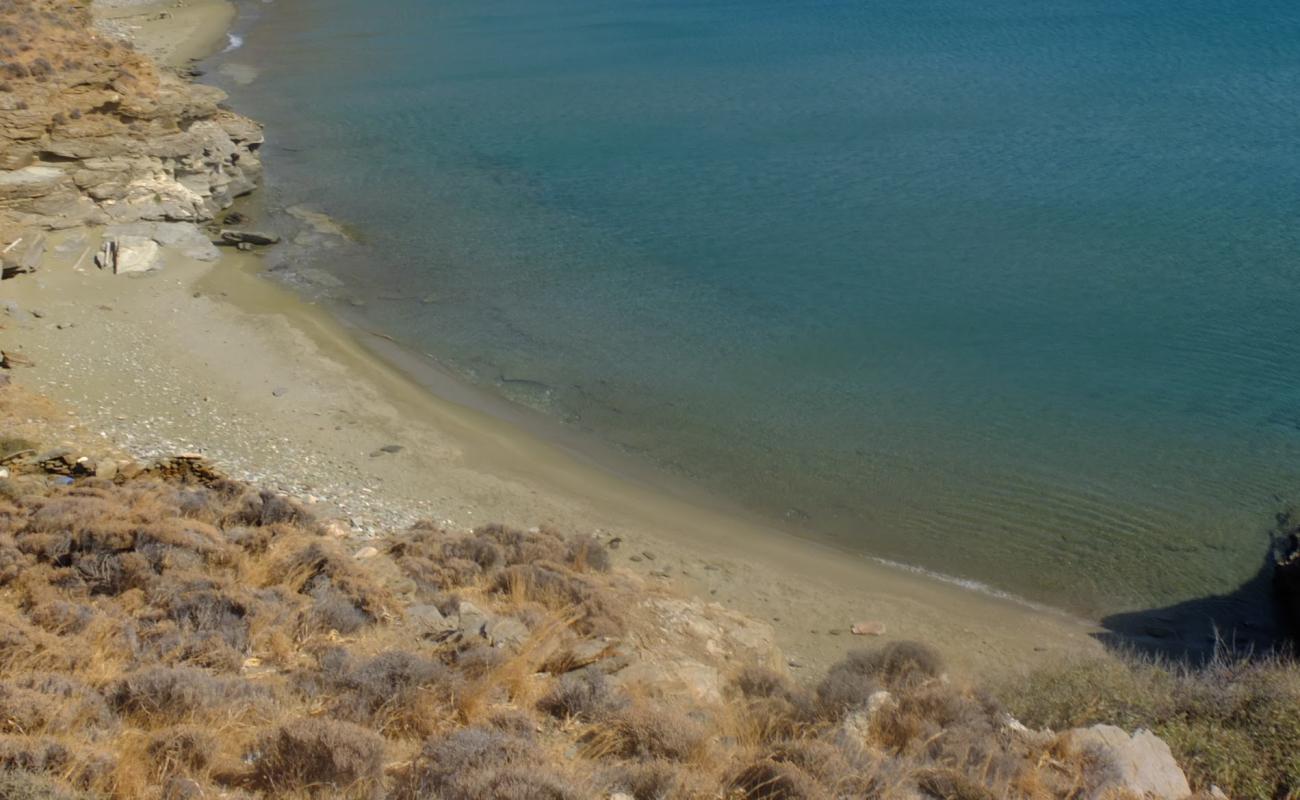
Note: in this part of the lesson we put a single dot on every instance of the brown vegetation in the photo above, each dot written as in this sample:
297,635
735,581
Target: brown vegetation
170,633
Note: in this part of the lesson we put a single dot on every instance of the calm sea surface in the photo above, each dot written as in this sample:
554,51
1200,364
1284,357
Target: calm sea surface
1007,289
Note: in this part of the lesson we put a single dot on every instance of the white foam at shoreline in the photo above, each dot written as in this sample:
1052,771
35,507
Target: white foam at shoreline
236,42
970,585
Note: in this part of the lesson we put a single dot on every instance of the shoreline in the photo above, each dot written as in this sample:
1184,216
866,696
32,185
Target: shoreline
275,388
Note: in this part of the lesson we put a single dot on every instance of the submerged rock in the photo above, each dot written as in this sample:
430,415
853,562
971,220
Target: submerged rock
258,238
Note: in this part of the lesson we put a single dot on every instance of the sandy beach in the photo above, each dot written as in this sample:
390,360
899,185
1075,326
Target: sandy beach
212,357
172,33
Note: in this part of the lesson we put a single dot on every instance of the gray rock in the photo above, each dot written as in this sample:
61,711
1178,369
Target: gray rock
128,254
1140,765
259,238
429,618
507,632
185,237
472,620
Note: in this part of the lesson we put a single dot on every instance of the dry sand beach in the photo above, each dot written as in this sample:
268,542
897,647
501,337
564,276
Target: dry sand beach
214,358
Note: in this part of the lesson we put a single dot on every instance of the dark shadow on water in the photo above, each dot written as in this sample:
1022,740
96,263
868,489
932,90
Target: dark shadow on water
1248,620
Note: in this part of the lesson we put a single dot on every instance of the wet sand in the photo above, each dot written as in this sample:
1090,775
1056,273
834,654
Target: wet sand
218,359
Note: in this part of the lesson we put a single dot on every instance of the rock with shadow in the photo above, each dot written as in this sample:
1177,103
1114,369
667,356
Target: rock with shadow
1255,618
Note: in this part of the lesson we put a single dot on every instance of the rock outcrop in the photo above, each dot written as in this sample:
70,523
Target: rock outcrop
92,132
1286,572
1139,765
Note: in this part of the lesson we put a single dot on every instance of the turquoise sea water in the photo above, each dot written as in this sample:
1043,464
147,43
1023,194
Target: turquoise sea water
1008,289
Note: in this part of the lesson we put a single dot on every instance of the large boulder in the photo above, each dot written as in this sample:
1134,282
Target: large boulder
1139,765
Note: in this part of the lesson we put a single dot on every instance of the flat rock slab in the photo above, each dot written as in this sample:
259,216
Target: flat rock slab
185,237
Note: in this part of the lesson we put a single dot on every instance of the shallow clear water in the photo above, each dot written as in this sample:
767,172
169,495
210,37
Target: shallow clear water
1003,288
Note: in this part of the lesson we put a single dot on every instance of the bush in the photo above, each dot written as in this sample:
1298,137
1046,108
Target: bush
483,762
320,758
767,779
898,665
642,732
585,694
20,785
587,553
650,780
385,691
949,784
175,694
183,749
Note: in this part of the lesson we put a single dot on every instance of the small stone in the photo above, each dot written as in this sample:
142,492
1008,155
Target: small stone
366,552
868,629
10,359
648,555
278,391
337,528
106,469
615,543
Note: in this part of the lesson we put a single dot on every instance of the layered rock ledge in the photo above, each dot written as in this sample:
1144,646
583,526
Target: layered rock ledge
93,133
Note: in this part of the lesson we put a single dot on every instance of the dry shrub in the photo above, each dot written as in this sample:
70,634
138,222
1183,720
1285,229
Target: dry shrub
320,568
650,780
557,589
585,694
22,785
33,754
264,509
176,694
586,553
320,758
481,762
645,732
770,708
917,714
183,749
395,692
950,784
51,704
768,779
896,666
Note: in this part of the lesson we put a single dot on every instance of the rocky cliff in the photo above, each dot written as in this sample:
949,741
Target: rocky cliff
92,132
